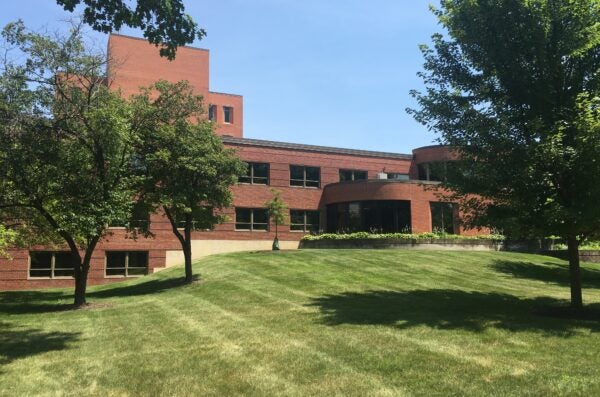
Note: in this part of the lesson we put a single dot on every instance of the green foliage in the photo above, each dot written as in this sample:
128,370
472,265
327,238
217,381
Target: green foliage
185,168
400,236
65,143
184,165
7,238
164,23
277,208
515,88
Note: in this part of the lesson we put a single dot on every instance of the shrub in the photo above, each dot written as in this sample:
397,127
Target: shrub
400,236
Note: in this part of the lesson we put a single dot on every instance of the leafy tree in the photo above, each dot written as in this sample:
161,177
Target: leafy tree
514,87
65,144
164,23
7,238
277,214
187,171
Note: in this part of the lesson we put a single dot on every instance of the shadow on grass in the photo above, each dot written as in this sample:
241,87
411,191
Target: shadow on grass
548,272
451,309
141,288
17,343
31,302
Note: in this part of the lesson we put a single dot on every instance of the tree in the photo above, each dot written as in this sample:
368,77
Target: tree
65,145
514,87
187,171
277,214
164,23
7,238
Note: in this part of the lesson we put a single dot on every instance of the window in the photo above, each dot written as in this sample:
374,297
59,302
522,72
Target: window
305,176
203,218
126,263
140,218
352,175
435,171
212,112
227,114
442,218
251,219
46,264
397,176
304,221
256,174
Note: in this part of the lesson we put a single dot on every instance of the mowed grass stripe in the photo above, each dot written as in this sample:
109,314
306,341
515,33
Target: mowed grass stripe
348,322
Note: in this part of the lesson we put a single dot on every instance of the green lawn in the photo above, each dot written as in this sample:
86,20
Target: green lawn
311,323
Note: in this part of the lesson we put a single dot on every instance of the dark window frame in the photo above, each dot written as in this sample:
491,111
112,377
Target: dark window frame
228,114
305,226
451,208
304,181
252,224
404,176
52,269
126,268
252,178
353,175
212,113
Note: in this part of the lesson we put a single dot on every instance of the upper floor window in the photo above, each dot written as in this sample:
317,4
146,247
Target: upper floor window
352,175
304,221
139,218
126,263
434,171
227,114
48,264
251,219
305,176
256,174
212,112
397,176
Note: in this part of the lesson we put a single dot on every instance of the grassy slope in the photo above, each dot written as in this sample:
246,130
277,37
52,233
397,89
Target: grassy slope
347,322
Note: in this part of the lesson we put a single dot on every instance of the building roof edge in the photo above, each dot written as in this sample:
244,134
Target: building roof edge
312,148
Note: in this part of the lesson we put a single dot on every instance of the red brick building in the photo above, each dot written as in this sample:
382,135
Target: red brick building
326,188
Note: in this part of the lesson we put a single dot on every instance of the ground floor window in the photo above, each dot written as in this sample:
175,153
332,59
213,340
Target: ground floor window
377,216
251,219
304,221
48,264
443,218
126,263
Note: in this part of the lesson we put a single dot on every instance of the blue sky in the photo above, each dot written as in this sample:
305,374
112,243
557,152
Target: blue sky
321,72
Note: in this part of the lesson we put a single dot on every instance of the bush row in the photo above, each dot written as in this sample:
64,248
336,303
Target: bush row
400,236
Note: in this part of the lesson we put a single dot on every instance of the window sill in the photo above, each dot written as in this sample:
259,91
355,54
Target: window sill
251,231
130,276
305,187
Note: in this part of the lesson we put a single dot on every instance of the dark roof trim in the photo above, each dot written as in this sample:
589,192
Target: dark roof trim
225,93
146,40
312,148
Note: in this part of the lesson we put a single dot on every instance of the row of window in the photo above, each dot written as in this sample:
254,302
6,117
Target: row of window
59,264
306,176
252,219
227,114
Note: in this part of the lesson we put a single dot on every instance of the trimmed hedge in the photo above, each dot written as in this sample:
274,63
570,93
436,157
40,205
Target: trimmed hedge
400,236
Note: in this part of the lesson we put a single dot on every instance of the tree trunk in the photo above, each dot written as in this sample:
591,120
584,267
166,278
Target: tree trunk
574,272
187,251
80,288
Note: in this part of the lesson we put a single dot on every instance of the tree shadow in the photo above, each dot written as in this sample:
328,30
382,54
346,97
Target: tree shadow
548,272
17,342
451,309
148,287
32,302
